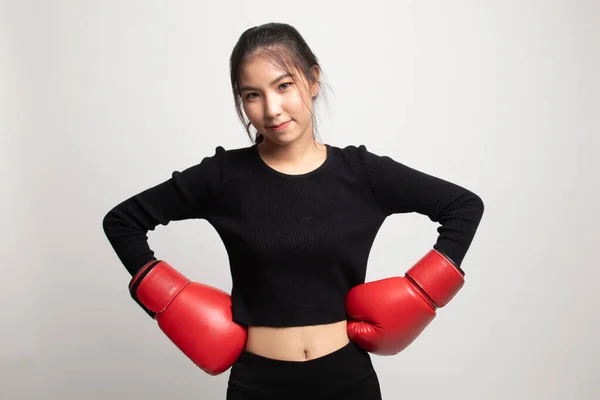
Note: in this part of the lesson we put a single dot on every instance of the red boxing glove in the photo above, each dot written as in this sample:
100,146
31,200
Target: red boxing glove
387,315
195,317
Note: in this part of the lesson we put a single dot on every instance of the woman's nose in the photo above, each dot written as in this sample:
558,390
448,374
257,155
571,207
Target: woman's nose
272,107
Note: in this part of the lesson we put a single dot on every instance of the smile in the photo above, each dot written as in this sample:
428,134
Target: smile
280,127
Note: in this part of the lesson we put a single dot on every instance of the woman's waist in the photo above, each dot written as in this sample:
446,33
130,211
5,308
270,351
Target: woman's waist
297,343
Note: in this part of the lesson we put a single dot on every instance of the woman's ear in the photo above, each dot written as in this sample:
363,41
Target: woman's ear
316,77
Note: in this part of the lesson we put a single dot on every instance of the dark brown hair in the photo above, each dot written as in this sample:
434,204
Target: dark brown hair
284,46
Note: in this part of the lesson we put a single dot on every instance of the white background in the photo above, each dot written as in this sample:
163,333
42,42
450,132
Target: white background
102,99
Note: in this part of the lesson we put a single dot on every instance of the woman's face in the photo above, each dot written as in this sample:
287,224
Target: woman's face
274,104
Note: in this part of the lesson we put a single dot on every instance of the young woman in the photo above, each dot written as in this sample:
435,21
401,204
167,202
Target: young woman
298,218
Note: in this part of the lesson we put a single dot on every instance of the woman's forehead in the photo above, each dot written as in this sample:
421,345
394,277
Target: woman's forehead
258,72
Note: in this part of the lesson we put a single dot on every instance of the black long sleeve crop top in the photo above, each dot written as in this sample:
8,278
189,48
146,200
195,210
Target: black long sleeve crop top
296,244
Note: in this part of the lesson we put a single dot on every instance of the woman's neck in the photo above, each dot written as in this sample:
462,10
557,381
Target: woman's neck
296,155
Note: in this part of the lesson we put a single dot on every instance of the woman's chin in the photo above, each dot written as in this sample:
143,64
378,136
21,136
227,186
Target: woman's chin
284,138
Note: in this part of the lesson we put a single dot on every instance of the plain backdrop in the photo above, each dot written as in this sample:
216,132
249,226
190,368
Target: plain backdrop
100,100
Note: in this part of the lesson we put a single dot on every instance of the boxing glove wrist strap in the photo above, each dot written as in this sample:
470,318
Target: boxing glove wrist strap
437,277
156,285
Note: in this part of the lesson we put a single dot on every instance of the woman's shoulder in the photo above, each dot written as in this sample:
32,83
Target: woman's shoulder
354,149
230,160
222,154
356,153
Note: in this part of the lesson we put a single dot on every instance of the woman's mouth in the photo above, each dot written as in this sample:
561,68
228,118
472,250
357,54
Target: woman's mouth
280,127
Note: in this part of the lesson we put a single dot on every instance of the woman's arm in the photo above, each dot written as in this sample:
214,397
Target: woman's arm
185,195
401,189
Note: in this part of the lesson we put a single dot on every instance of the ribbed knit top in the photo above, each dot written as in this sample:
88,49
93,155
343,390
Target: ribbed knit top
296,244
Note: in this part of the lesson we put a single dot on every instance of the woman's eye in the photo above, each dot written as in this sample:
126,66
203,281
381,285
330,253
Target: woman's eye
283,86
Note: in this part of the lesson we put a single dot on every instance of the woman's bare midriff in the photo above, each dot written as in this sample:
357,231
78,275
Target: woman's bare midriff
300,343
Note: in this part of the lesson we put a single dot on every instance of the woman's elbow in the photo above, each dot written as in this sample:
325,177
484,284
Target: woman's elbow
476,207
109,222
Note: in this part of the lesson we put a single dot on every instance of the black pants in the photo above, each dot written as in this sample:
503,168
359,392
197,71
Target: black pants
346,374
